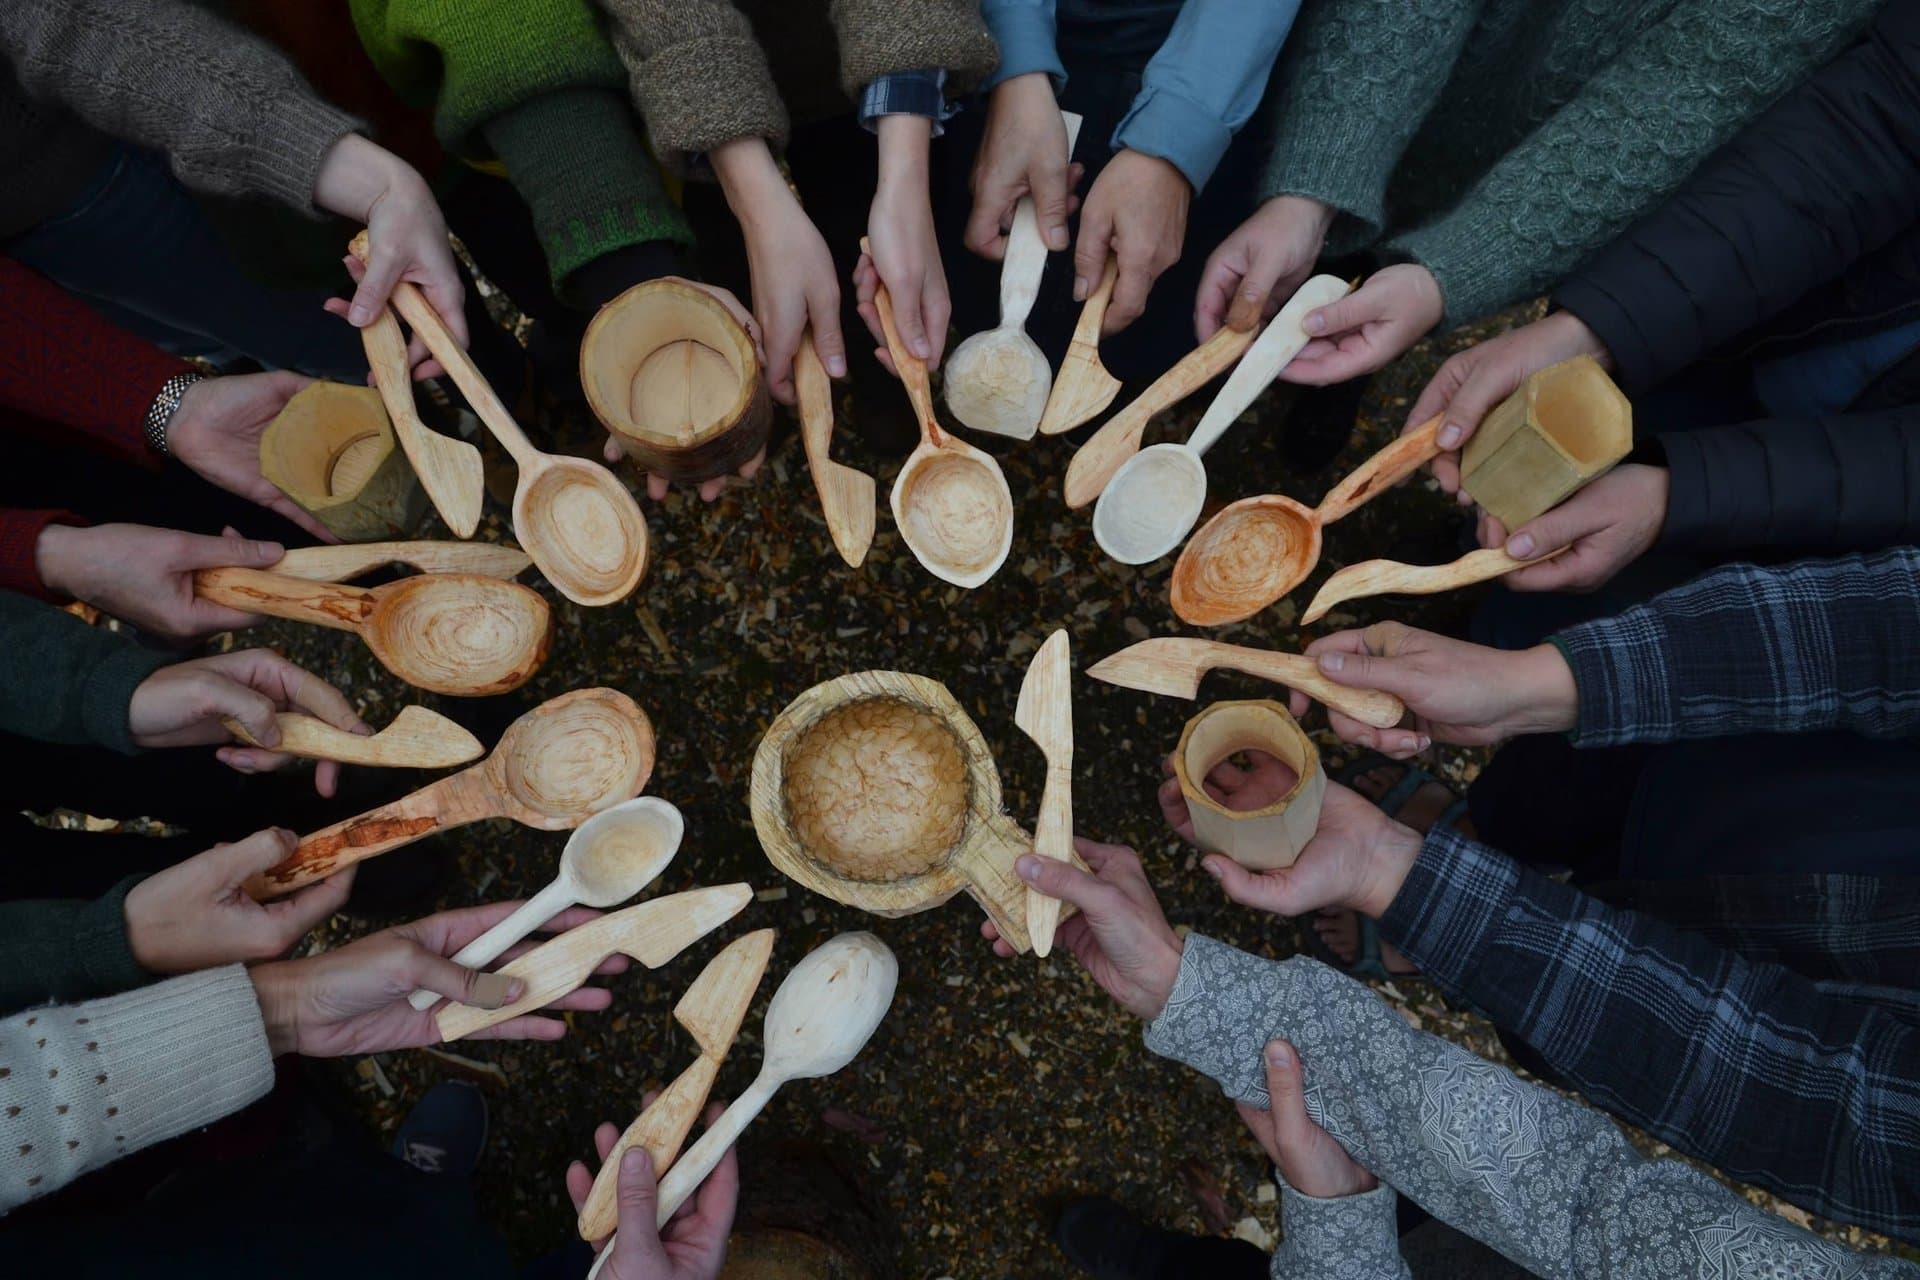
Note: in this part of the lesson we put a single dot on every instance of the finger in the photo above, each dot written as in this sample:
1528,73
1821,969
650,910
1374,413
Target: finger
906,315
222,697
251,760
1250,300
376,286
579,1185
1359,308
751,467
1228,777
937,312
1091,250
326,778
1219,281
1561,527
316,697
287,509
1576,570
636,1247
1095,854
460,984
256,853
1052,185
658,486
1485,385
1397,676
299,913
196,551
449,298
606,1136
1293,1130
1271,891
1068,883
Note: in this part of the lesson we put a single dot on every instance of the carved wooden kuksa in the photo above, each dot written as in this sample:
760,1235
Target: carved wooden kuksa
333,451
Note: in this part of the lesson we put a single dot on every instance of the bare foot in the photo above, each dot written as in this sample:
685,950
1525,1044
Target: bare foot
1339,930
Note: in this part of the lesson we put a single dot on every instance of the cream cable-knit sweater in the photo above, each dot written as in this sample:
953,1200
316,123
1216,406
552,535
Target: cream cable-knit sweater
83,1084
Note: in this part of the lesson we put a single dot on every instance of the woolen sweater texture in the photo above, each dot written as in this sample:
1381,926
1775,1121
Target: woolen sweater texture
64,681
1500,142
65,950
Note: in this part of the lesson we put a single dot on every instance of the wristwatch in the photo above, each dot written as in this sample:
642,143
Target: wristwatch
160,413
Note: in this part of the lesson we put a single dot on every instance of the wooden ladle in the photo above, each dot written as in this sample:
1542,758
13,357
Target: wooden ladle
351,559
610,857
579,523
451,633
1258,549
846,494
449,470
552,769
1083,387
950,500
417,739
999,380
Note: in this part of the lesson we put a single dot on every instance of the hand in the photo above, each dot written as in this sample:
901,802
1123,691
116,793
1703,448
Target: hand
183,705
794,285
144,576
1305,1154
1473,381
1605,526
216,432
1120,936
906,254
1461,693
1257,268
406,236
1357,854
711,489
1023,152
694,1244
354,1000
194,915
1137,213
1370,327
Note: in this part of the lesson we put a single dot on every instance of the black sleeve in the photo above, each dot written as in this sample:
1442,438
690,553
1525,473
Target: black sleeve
1847,483
1827,175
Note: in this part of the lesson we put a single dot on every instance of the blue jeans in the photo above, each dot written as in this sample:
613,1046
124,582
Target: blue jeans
138,247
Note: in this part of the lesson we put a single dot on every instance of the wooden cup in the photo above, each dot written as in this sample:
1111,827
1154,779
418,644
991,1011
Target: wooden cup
1260,839
1565,426
332,450
673,376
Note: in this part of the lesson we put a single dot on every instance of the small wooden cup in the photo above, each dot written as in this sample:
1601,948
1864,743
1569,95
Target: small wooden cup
673,376
1565,426
1260,839
332,450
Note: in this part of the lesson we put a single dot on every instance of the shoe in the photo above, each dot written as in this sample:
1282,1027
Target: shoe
1100,1236
446,1130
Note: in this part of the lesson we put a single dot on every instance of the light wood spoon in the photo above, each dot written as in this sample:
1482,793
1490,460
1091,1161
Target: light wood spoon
847,495
1045,714
1083,387
449,469
446,633
1173,666
351,559
552,769
610,857
1390,577
417,739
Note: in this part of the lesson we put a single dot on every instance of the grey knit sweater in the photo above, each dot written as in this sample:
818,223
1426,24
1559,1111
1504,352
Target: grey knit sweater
1547,1182
231,113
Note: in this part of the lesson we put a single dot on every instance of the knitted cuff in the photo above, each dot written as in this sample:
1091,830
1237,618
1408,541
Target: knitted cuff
883,37
1341,166
576,157
1474,255
290,141
19,540
702,93
108,692
101,945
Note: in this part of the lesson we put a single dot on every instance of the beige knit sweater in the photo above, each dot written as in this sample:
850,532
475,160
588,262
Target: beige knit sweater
701,77
82,1085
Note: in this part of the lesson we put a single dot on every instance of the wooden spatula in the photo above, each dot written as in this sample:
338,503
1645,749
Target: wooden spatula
1083,387
1045,714
349,560
1173,666
417,739
1390,577
449,469
848,496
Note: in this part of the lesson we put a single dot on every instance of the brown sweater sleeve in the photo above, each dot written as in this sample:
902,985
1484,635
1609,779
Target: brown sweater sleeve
698,75
880,37
228,109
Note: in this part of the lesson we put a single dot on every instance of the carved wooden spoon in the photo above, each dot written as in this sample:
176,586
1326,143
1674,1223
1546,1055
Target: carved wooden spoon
417,739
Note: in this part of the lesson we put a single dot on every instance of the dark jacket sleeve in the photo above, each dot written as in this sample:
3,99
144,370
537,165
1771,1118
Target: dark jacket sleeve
1847,483
64,951
1829,174
63,681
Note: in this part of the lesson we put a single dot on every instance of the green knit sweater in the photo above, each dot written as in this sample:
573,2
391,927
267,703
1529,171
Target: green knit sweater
535,84
1499,142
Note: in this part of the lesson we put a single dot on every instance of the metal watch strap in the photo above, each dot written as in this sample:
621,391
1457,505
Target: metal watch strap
160,413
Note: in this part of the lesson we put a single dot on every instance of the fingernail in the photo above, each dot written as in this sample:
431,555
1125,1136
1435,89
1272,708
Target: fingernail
1056,238
1520,546
1213,869
1028,867
269,550
837,366
1316,323
921,349
1424,741
1079,289
1332,661
634,1161
359,315
1449,436
1278,1057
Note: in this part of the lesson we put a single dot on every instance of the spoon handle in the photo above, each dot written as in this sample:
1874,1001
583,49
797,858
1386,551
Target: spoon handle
489,946
1385,577
911,368
1272,351
453,801
350,559
326,604
1026,257
691,1169
1297,671
1384,469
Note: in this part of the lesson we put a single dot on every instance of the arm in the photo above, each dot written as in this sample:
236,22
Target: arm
1544,1180
229,110
67,950
698,75
1024,31
1678,1036
1818,645
1362,1231
1831,173
83,1085
1534,217
65,681
885,37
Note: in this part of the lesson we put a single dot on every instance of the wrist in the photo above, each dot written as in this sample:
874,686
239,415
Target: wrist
1572,337
904,142
750,178
56,553
1389,861
1314,213
354,174
273,989
1164,972
1549,700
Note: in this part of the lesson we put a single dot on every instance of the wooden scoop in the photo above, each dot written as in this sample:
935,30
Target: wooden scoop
1045,714
574,517
1258,549
1083,387
1154,499
1173,666
449,469
1390,577
847,495
554,767
999,380
713,1009
1119,437
417,739
950,500
610,857
652,933
447,633
349,560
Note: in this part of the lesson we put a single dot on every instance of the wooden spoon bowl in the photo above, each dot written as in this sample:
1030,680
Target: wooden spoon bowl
1249,555
954,510
574,756
582,527
455,634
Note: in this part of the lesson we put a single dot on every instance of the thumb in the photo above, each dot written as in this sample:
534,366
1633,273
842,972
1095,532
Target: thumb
201,552
1397,676
1486,386
906,318
1287,1091
1256,288
636,1248
1064,881
258,852
460,984
1050,198
1090,251
1269,892
255,711
375,287
1560,527
1352,311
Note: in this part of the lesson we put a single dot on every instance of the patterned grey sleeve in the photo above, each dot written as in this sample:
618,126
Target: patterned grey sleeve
1546,1181
1346,1238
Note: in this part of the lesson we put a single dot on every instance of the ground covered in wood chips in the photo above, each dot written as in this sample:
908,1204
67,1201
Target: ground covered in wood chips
994,1088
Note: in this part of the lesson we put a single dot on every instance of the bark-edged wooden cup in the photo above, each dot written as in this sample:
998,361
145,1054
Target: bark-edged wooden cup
332,450
1264,838
673,376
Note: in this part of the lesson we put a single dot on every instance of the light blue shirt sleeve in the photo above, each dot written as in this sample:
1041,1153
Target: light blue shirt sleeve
1204,83
1024,30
